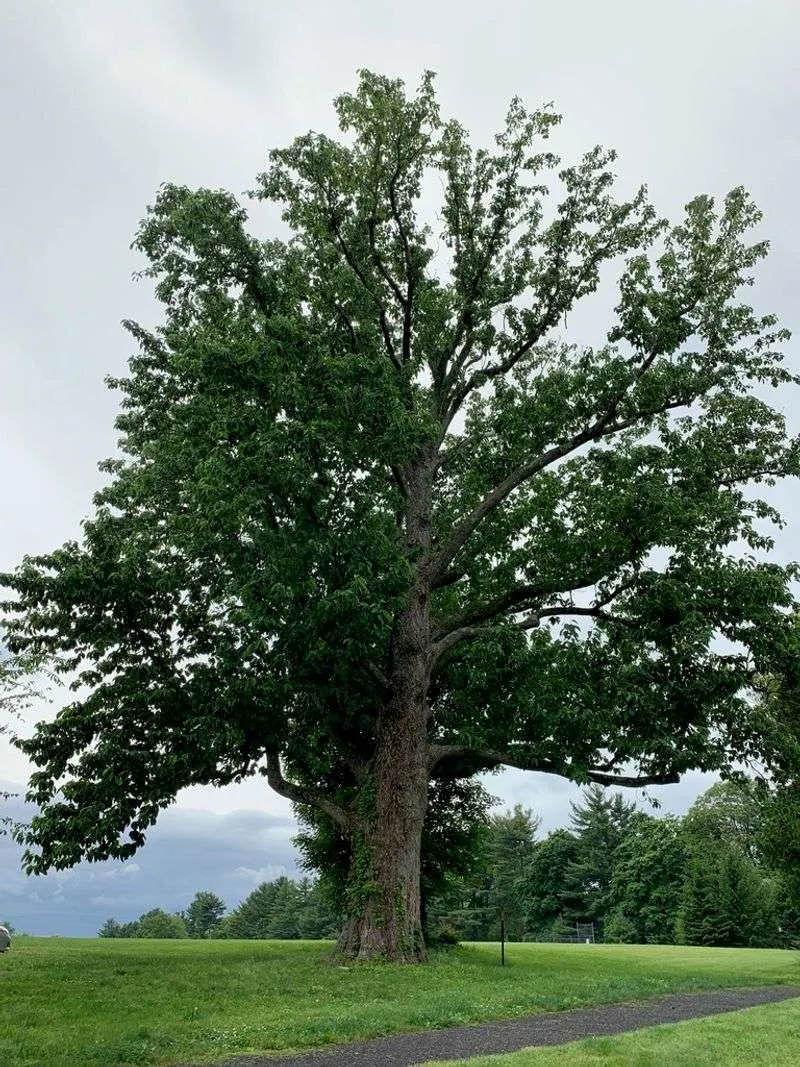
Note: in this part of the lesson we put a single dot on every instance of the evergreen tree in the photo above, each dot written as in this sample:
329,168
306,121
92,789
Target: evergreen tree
600,822
779,700
780,846
511,842
728,901
747,902
317,917
204,914
253,917
698,921
471,906
546,892
284,910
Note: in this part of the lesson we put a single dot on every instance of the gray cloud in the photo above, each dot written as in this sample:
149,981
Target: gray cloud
188,850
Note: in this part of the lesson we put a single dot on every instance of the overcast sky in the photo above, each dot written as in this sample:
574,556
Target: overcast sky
102,102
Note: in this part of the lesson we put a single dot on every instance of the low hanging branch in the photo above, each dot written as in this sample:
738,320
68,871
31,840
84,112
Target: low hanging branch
300,794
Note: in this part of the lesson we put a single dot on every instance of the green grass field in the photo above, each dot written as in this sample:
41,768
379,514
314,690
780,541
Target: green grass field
756,1037
103,1002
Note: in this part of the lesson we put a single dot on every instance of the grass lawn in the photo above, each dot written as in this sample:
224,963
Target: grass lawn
102,1002
757,1037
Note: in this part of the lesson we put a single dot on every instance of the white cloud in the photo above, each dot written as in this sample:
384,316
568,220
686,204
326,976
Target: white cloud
256,875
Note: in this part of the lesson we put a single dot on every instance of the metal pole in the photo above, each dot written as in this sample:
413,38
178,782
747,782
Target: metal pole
502,939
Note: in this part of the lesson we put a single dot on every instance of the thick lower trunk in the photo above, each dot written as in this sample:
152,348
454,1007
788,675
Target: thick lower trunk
385,914
385,918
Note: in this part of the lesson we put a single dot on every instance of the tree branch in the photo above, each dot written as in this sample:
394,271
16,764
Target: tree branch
521,598
448,578
489,757
300,794
593,611
408,305
527,761
465,633
636,780
348,322
602,427
351,262
375,673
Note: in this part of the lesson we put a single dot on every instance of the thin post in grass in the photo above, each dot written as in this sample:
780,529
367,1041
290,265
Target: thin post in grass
502,938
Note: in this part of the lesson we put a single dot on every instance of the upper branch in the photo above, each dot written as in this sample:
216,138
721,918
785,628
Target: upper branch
519,598
602,427
501,223
462,631
353,264
555,304
381,267
409,297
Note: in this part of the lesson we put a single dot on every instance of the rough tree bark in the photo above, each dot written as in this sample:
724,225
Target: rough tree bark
385,917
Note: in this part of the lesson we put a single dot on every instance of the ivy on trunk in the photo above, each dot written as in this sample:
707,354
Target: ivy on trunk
376,524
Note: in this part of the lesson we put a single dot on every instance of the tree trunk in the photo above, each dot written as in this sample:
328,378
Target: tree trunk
385,916
384,920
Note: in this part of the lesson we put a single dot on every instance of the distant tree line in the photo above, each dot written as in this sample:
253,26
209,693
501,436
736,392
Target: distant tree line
724,874
719,876
285,909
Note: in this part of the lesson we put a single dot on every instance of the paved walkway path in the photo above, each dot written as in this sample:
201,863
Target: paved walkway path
509,1035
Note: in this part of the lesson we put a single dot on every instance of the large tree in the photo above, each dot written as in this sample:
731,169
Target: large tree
376,522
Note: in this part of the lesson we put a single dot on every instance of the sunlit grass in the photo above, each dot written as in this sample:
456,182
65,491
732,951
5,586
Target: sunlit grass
102,1002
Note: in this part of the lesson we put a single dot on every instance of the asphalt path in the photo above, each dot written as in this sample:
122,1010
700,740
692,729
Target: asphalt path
510,1035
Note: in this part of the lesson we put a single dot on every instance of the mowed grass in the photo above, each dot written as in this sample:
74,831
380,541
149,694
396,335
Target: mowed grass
757,1037
103,1002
